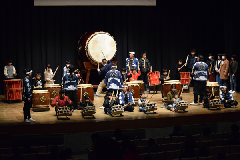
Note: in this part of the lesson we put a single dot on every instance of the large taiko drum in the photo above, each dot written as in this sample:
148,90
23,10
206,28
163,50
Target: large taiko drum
213,88
140,83
167,87
53,89
96,46
41,99
153,78
13,89
85,89
134,89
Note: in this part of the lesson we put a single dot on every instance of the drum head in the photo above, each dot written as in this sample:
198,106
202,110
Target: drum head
99,46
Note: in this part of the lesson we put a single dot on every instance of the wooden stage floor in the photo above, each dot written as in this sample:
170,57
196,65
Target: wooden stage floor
11,119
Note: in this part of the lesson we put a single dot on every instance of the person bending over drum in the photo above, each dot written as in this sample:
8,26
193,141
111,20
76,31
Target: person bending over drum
37,82
109,102
61,100
27,96
48,75
142,102
126,99
207,97
227,98
86,102
9,70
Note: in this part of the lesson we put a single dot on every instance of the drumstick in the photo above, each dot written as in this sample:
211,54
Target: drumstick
183,66
129,67
151,68
117,90
125,80
213,91
144,63
46,73
81,95
55,72
138,65
168,74
103,54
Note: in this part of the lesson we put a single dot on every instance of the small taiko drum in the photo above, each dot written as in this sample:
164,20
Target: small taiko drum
134,89
167,87
13,89
213,88
88,111
151,107
153,78
41,99
53,89
185,78
97,46
140,83
63,111
215,103
117,109
182,105
83,90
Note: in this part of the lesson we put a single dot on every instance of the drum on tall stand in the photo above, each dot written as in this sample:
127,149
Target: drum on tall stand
185,80
53,89
13,89
153,79
83,90
167,87
41,100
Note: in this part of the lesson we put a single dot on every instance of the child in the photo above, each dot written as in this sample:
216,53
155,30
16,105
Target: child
86,102
108,103
48,75
175,100
233,67
227,98
142,102
179,68
37,82
126,99
163,77
134,75
145,68
171,97
27,96
207,98
80,79
9,70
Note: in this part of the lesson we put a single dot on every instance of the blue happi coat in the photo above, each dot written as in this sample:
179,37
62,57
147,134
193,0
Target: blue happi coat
113,80
200,71
122,96
27,89
134,64
226,96
70,82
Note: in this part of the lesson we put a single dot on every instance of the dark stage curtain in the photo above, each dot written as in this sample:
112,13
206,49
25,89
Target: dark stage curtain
35,36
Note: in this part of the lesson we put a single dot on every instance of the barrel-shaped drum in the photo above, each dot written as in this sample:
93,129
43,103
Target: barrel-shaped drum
140,83
117,109
83,90
41,99
97,45
53,89
134,89
167,87
213,88
13,89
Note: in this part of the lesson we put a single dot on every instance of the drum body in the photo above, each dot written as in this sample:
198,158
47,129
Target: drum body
213,88
151,106
13,89
53,89
117,109
167,87
153,78
85,89
63,111
185,78
134,89
41,99
88,111
182,105
140,83
96,46
215,103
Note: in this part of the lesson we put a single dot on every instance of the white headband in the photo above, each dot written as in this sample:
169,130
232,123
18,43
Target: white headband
223,86
114,66
125,86
29,72
132,52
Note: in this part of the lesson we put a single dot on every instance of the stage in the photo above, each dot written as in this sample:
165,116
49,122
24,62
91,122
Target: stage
11,119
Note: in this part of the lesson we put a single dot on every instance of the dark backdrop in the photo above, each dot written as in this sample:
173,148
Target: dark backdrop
34,36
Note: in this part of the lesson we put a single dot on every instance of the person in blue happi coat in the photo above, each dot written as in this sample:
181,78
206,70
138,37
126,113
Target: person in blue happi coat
126,99
226,97
113,80
27,95
132,62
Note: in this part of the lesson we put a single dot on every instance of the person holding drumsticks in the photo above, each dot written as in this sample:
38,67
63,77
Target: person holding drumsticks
126,99
27,96
132,62
145,68
9,70
102,72
48,75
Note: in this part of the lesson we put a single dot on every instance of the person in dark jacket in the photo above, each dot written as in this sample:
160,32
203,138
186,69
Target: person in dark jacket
211,67
233,67
191,60
179,68
37,81
207,97
86,102
27,96
145,68
108,103
163,77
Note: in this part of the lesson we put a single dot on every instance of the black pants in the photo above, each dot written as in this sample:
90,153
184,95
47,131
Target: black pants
114,92
199,89
129,108
26,109
72,95
144,77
